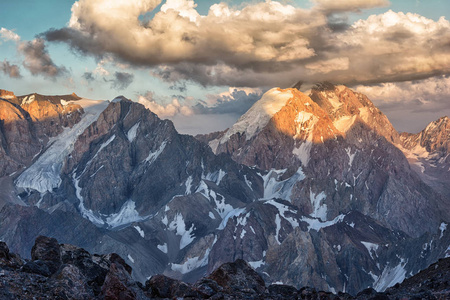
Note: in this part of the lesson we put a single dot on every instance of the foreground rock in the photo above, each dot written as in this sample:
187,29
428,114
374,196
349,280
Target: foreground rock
61,271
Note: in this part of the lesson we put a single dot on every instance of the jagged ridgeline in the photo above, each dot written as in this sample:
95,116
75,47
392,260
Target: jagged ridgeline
311,189
64,271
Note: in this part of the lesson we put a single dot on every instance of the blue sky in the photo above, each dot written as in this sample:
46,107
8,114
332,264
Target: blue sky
175,85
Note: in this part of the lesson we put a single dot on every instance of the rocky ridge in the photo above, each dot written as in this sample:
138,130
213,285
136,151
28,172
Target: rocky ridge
31,123
112,184
65,271
429,154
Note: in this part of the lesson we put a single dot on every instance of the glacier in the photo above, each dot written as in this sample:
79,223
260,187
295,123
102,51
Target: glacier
44,174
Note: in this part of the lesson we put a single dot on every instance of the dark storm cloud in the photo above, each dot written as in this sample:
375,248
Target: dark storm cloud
88,76
9,69
237,102
38,61
121,80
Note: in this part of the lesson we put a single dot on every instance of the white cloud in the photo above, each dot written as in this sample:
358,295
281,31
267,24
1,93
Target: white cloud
349,5
326,66
8,35
183,8
164,111
411,105
261,43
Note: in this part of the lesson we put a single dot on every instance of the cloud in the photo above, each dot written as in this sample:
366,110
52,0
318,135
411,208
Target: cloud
38,61
333,6
235,101
121,80
88,76
8,35
260,44
411,105
164,111
12,71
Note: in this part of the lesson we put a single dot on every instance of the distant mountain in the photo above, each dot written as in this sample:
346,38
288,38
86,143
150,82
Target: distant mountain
344,146
309,190
429,154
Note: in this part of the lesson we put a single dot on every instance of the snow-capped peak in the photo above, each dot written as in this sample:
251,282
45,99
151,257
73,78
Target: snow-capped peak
257,117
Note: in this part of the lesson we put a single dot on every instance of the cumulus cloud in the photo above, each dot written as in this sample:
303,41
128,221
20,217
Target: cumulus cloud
331,6
235,101
164,111
121,80
411,105
261,44
37,59
8,35
9,69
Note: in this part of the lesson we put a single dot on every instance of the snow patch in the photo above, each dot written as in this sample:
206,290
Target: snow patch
442,228
364,113
371,248
28,99
131,134
215,177
283,209
303,152
191,263
188,185
162,248
316,224
211,215
139,229
249,183
345,123
85,213
126,215
152,156
233,213
277,230
319,209
351,157
256,264
130,258
391,276
273,188
179,227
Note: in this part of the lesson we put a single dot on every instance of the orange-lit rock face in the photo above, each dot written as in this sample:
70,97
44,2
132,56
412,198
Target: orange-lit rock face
344,107
42,110
7,94
303,119
9,113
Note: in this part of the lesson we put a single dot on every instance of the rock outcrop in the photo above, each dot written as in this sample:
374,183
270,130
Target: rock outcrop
81,275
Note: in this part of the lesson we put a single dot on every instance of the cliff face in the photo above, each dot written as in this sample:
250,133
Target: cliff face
28,122
429,154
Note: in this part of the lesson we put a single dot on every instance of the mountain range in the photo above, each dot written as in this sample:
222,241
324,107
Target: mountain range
311,188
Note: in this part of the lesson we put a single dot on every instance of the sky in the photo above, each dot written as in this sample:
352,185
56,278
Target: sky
203,63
